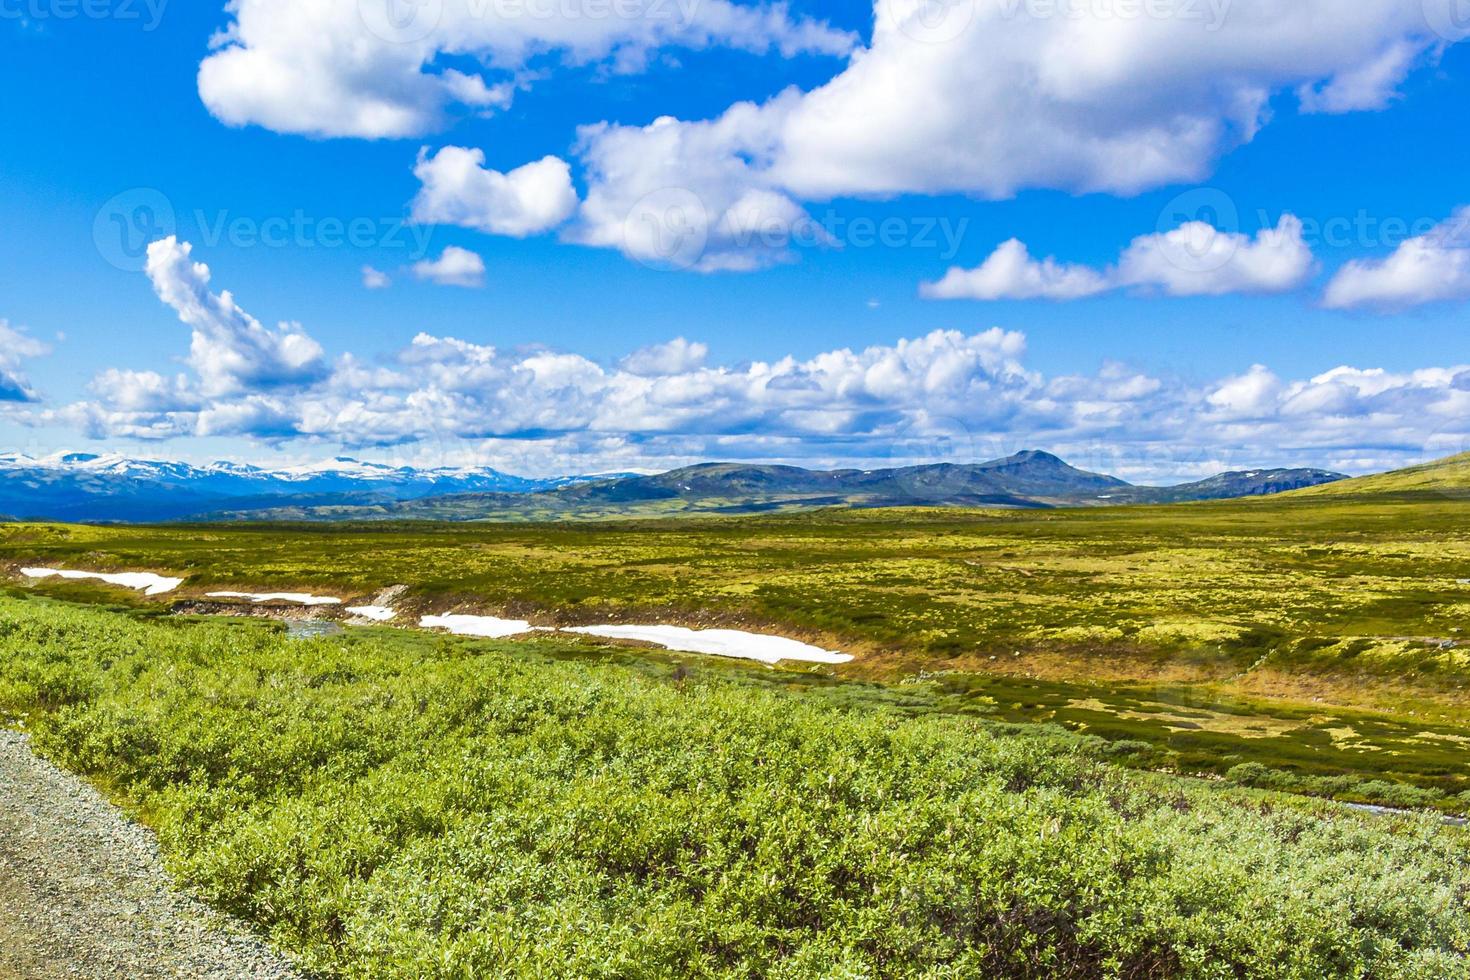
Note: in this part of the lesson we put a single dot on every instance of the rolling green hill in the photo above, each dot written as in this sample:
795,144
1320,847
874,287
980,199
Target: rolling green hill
1443,477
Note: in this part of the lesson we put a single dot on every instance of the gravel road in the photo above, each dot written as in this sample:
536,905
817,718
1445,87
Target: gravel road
83,893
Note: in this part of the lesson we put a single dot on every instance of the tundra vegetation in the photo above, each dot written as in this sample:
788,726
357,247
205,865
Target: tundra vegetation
394,803
1005,781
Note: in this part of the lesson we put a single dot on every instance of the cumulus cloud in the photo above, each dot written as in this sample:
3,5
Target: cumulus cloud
678,356
945,394
1195,259
375,278
1011,273
455,266
1428,269
230,351
1003,98
686,195
458,189
16,346
375,69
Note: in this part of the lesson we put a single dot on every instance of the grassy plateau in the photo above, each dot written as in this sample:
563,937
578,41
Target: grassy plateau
1073,743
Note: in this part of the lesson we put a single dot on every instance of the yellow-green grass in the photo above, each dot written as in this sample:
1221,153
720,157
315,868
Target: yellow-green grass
1269,610
1444,476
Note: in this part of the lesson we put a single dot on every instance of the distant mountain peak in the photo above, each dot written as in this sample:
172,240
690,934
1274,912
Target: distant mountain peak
1036,456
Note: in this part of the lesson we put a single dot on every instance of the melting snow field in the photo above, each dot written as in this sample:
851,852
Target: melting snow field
149,583
300,598
486,626
719,643
378,614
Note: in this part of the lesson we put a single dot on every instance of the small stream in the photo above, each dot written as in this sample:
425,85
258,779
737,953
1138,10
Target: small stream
310,629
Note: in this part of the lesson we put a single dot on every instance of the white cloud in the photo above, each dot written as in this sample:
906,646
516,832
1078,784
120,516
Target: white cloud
17,346
459,190
455,266
375,278
230,350
1368,86
145,392
685,195
371,68
1089,102
678,356
1002,99
1011,273
946,394
1428,269
1195,259
1252,394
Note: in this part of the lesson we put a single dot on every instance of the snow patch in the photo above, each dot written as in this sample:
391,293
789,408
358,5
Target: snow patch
378,614
719,643
149,583
486,626
299,598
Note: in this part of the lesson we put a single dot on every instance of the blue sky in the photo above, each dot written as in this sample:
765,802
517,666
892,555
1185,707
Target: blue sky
1354,127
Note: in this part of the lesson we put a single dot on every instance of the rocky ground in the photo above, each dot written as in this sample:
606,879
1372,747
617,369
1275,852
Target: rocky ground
83,892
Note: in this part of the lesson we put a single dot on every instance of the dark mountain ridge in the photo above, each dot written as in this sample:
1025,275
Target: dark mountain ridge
84,487
1029,479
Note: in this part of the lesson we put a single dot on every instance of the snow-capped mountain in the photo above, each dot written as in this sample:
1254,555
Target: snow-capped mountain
113,487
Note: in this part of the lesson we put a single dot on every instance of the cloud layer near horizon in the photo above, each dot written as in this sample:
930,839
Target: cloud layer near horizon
947,394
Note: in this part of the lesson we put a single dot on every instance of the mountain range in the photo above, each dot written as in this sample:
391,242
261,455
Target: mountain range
91,487
113,488
1026,480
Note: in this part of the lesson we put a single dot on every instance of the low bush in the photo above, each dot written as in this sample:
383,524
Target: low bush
395,805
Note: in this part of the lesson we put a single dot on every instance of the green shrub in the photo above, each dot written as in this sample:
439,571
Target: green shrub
395,805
